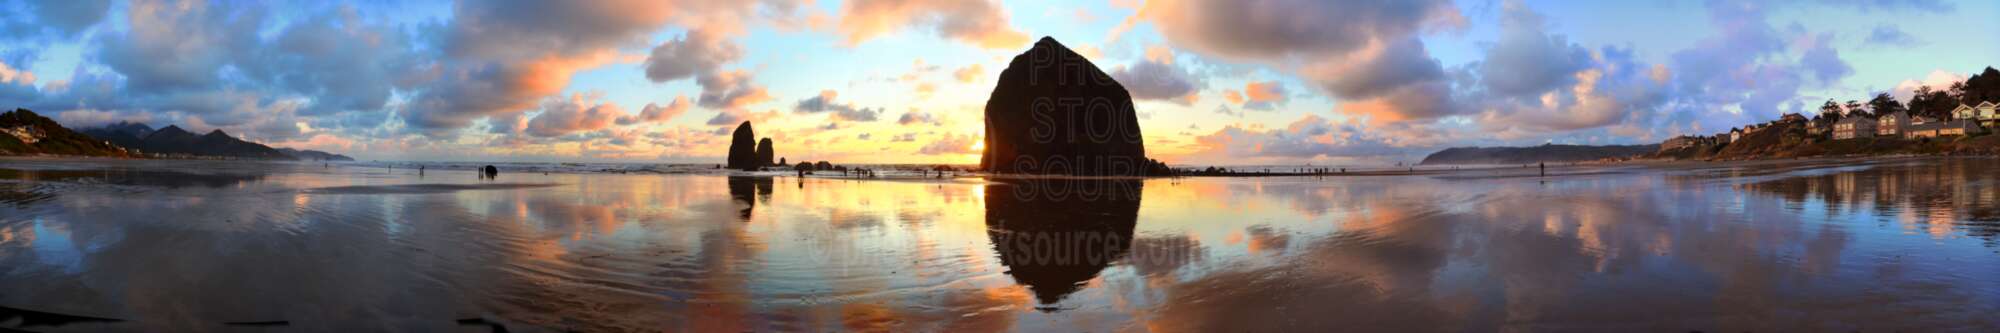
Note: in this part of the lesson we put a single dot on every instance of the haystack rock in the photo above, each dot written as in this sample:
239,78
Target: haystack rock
765,154
742,148
1053,112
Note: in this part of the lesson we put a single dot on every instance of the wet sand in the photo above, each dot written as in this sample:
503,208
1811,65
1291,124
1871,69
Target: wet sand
1815,245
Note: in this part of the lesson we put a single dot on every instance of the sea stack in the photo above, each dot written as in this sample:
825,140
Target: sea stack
1053,112
742,148
765,154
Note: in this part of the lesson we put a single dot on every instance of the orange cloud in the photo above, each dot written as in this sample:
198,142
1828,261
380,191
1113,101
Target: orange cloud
979,22
969,73
1267,91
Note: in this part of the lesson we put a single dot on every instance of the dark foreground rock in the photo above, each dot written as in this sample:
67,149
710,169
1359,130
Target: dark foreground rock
1053,112
743,148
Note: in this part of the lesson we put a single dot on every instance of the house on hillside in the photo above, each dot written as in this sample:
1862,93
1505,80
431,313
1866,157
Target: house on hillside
1892,124
1983,113
1685,142
1735,134
1854,128
1792,118
1965,112
1932,129
1819,126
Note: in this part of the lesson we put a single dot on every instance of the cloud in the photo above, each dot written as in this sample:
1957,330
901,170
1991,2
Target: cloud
578,113
1536,82
729,90
1746,64
61,19
1937,80
16,85
1263,96
1282,29
698,52
1933,6
968,74
501,57
1309,137
949,144
179,45
917,117
732,117
1527,60
1890,35
1366,52
343,63
654,113
1150,80
1823,61
472,92
825,102
981,23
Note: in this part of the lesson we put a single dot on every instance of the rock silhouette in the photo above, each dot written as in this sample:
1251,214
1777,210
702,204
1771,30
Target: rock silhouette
1053,112
743,148
765,154
1056,235
746,191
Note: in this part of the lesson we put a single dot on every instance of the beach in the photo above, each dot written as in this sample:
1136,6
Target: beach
1907,244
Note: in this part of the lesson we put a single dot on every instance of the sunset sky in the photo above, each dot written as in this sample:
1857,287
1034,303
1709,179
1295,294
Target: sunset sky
905,81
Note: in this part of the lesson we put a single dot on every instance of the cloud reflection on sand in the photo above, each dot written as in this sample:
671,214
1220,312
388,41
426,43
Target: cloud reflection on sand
1802,248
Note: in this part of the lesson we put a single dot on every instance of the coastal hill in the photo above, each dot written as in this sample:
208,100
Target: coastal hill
313,155
1053,112
1791,140
1548,153
175,141
27,133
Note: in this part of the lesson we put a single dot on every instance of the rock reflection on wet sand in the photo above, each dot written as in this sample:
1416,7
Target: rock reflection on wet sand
1900,245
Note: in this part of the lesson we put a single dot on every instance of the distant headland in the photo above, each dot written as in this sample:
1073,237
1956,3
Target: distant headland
28,133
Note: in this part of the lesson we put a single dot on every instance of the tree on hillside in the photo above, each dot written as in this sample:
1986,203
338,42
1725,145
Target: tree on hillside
1831,110
1854,109
1883,104
1936,104
1982,87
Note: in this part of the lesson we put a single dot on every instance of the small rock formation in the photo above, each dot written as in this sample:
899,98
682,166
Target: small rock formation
823,165
781,162
743,148
490,172
764,153
1053,112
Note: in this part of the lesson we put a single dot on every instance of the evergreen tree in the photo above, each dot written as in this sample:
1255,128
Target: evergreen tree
1883,104
1831,110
